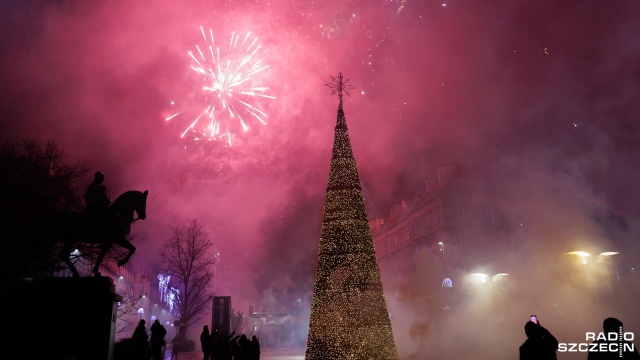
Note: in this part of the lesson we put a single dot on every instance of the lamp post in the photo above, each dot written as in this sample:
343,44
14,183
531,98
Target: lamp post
586,258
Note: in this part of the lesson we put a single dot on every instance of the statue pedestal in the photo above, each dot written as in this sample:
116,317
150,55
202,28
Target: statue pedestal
60,318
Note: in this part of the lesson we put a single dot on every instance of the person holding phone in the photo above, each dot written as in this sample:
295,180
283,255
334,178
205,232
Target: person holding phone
540,343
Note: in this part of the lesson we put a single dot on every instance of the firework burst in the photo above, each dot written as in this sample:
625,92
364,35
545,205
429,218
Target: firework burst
228,91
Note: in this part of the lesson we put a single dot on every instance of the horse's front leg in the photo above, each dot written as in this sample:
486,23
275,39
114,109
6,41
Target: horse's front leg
129,246
104,249
64,255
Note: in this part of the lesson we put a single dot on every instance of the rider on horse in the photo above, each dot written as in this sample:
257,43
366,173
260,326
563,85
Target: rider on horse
96,199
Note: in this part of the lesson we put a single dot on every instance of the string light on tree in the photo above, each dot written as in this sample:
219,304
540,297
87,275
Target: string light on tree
349,317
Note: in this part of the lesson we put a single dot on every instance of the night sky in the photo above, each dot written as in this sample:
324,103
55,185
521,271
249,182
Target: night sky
549,88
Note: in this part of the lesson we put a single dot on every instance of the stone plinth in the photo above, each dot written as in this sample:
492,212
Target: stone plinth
60,318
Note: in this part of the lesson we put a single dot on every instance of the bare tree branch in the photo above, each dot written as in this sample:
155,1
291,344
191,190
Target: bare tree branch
187,256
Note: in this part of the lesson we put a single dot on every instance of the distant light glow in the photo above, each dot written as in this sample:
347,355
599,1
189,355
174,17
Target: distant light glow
483,278
608,253
447,282
579,253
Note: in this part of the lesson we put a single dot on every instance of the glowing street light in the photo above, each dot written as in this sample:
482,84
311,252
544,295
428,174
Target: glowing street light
483,278
608,253
442,250
581,254
585,257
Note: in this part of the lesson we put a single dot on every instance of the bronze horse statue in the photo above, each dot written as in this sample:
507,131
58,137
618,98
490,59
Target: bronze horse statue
110,228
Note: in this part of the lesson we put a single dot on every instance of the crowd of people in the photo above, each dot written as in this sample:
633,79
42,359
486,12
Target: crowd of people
213,345
229,347
146,348
540,344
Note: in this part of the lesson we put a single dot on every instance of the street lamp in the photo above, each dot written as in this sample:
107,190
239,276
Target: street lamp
444,258
483,278
585,257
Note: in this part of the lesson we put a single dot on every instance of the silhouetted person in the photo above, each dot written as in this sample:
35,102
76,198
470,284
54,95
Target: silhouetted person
254,348
540,344
205,342
234,346
175,347
229,346
96,199
140,341
243,348
222,350
157,340
612,329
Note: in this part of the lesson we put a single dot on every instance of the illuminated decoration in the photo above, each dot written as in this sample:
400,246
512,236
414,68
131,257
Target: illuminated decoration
168,295
349,317
228,89
163,281
447,282
172,298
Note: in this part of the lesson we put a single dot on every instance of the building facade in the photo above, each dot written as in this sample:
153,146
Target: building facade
462,218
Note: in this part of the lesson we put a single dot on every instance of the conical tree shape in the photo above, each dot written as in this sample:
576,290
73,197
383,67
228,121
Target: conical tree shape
349,317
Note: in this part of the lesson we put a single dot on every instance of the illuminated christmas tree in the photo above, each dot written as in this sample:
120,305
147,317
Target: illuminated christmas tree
349,318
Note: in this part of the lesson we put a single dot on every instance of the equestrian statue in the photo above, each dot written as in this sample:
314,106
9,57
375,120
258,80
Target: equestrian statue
102,223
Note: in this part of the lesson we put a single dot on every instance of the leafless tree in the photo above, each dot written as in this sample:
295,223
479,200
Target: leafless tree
188,258
127,317
37,178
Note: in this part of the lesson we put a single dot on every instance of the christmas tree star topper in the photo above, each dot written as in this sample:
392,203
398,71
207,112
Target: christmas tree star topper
340,85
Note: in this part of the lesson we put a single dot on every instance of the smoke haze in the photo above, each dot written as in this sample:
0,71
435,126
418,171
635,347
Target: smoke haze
547,90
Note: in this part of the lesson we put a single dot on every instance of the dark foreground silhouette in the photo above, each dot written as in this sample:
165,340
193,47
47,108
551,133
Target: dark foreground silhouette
110,228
